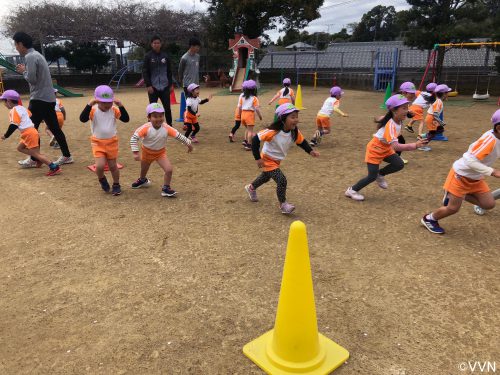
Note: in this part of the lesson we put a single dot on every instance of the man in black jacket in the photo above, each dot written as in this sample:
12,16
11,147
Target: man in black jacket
157,76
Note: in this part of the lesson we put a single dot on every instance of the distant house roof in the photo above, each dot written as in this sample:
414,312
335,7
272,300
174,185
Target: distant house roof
300,46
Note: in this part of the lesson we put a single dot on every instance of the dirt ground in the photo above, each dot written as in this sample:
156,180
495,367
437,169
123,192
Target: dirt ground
140,284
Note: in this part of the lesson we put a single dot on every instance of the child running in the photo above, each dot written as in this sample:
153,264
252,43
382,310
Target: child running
465,180
423,100
408,90
248,105
19,118
191,115
154,136
237,117
104,141
61,117
433,120
383,147
277,138
284,95
323,117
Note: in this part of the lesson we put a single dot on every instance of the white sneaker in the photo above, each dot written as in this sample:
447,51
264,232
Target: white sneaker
479,211
424,148
354,194
28,163
64,160
382,182
24,161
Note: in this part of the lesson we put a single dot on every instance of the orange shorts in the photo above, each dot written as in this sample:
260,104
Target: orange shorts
30,138
323,122
104,148
247,118
460,186
60,119
189,118
376,151
284,101
237,116
431,124
418,112
270,164
150,155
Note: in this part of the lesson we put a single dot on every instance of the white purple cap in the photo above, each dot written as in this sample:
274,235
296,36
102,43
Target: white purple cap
431,87
287,81
336,90
285,109
104,94
442,88
408,87
395,101
154,107
10,95
495,119
192,87
251,84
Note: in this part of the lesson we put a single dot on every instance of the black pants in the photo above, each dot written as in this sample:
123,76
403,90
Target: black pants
278,177
401,140
164,96
395,165
237,124
45,111
190,128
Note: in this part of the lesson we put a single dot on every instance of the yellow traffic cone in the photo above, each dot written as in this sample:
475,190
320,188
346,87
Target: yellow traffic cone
294,346
298,99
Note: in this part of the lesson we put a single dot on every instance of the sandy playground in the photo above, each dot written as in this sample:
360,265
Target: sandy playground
140,284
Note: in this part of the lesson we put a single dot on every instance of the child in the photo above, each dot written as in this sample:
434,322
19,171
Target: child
248,105
422,101
154,136
19,118
104,141
237,117
323,118
408,90
433,119
466,178
383,147
277,138
61,117
191,114
285,95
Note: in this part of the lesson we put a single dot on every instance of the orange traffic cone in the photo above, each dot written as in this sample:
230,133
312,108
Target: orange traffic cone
173,100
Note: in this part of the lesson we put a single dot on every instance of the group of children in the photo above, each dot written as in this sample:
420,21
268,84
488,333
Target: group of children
465,180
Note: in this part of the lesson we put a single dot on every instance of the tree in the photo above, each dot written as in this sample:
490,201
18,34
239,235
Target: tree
291,36
54,53
341,36
377,24
87,56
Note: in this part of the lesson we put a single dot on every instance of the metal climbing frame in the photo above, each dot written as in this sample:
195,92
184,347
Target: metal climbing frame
386,63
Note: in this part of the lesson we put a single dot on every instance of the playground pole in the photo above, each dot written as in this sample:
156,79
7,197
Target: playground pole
315,79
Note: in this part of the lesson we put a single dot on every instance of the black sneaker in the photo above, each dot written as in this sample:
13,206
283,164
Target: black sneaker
117,190
166,191
410,129
141,182
313,143
105,184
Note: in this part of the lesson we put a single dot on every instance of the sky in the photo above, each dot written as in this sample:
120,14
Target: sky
335,15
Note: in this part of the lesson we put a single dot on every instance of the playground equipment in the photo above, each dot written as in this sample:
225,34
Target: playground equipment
182,108
1,82
294,346
118,76
243,59
61,90
386,63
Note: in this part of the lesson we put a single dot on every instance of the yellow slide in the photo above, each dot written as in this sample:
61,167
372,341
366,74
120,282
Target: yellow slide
238,79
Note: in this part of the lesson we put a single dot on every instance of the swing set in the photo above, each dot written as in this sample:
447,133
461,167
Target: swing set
432,63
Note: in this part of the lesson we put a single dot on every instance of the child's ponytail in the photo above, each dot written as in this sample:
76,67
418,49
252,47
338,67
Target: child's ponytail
382,121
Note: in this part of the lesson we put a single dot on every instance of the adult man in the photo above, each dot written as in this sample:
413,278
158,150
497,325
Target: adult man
42,96
189,66
157,76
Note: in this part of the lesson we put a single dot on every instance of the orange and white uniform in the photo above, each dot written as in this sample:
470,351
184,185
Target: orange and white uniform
435,110
193,103
467,174
20,117
60,115
330,105
103,126
288,98
380,146
419,105
248,106
154,141
276,146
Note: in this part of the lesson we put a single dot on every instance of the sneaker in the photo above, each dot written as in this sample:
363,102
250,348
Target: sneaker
287,208
248,148
166,191
105,184
252,193
381,182
404,161
64,160
410,129
479,211
52,141
24,161
318,136
116,189
424,148
231,137
54,171
140,182
28,163
194,139
353,194
313,143
56,146
244,142
432,225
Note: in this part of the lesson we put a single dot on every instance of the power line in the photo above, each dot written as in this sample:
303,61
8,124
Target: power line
337,4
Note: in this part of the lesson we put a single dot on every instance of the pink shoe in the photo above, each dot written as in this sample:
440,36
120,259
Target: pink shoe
252,193
287,208
231,137
195,140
